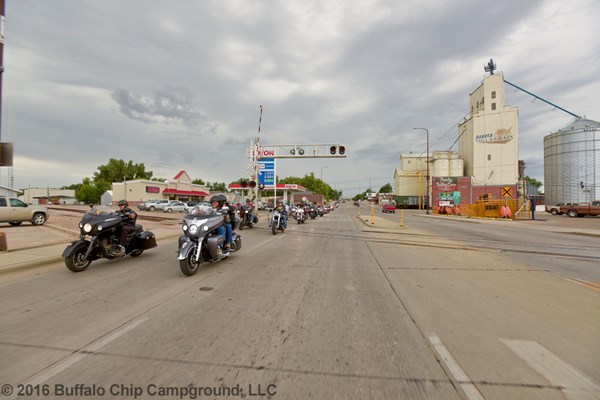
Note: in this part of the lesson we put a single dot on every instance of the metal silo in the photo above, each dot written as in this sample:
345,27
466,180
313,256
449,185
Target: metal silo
572,163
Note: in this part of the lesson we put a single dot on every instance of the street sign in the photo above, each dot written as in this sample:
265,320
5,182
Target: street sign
507,191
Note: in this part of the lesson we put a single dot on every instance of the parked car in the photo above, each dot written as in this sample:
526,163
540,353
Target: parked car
581,209
152,205
555,209
15,212
388,208
175,205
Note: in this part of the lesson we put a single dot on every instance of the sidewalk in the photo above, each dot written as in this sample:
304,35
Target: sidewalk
540,225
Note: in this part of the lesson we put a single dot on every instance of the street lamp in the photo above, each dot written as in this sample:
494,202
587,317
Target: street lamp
322,173
427,167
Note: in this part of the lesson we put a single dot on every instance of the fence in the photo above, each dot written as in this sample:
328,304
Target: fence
491,209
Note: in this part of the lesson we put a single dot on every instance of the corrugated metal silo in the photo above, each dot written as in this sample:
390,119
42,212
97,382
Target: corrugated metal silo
572,163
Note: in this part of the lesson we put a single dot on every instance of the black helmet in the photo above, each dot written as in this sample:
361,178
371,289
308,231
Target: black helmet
215,198
123,203
247,200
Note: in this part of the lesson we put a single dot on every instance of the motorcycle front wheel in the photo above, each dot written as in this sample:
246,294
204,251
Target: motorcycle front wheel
77,262
137,252
189,266
274,228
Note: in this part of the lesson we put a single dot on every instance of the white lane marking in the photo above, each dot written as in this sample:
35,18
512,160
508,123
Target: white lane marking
465,382
576,385
78,356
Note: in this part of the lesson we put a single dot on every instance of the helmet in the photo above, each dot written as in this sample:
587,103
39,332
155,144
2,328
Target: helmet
219,198
123,203
247,200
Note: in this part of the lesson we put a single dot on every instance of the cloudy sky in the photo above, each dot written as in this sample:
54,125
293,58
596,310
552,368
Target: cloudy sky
179,85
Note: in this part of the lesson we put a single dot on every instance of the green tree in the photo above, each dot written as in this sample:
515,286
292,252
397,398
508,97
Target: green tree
533,181
119,171
87,192
387,188
216,186
90,190
314,185
198,182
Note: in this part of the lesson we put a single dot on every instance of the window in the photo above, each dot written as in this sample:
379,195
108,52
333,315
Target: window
489,157
2,202
493,94
17,203
493,106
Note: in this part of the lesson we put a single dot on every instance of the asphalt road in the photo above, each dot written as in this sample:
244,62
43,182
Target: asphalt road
324,311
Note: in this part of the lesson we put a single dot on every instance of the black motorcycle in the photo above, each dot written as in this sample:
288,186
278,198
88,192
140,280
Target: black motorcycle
276,222
200,242
246,218
100,229
312,212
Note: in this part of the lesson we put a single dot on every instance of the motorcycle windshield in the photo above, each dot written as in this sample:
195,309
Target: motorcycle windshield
100,210
201,210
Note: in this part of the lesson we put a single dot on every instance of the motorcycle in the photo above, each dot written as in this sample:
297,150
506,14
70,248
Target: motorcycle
300,215
245,219
200,242
100,229
312,212
276,222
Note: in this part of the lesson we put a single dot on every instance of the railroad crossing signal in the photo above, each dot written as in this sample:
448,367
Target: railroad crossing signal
507,191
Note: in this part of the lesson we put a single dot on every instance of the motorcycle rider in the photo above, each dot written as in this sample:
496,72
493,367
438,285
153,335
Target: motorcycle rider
229,213
283,212
218,202
129,218
250,210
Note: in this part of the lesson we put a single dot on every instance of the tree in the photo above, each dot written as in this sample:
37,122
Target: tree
87,192
314,185
387,188
533,181
216,186
119,171
198,182
91,190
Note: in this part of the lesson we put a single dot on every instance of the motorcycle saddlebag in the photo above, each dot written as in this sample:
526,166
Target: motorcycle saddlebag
146,240
256,219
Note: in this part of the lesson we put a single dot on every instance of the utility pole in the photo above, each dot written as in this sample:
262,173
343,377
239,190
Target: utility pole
427,132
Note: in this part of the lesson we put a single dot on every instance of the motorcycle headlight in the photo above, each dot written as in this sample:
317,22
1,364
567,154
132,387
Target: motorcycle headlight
194,229
87,228
184,227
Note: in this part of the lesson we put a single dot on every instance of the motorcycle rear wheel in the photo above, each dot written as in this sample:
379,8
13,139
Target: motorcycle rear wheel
189,266
77,262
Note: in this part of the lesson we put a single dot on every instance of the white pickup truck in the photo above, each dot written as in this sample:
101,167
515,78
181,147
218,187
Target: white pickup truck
14,211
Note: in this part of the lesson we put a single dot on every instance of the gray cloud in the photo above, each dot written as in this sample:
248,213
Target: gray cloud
166,105
182,83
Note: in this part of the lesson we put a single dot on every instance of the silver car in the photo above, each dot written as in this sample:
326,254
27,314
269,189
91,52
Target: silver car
175,205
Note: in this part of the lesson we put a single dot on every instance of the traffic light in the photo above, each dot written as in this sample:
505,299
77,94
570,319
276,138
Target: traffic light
252,184
244,184
341,150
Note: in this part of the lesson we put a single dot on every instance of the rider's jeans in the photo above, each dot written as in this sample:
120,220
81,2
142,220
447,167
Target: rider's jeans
221,231
228,233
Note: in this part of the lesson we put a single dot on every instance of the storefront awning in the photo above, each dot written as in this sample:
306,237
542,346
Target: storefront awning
185,192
